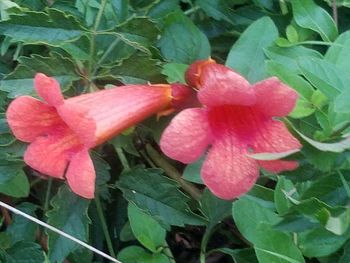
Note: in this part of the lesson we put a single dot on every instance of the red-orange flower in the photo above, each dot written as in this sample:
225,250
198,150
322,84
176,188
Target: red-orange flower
236,120
61,132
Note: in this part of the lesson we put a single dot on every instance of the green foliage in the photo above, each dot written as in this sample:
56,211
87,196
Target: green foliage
295,217
69,214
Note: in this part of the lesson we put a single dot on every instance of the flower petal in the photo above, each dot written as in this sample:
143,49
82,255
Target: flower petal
227,171
274,98
220,85
81,174
278,166
272,136
50,154
78,119
48,89
187,136
29,118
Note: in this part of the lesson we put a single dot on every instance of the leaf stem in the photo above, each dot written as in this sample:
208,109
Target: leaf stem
172,172
122,158
169,254
104,225
105,55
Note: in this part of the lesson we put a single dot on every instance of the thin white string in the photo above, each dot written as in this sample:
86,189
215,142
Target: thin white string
56,230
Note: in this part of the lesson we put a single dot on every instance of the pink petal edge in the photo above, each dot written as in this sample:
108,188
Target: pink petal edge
81,174
48,89
187,136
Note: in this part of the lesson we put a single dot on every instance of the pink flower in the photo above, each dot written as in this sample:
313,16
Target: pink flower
61,132
236,119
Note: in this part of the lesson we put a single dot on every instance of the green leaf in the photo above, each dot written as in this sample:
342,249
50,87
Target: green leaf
135,254
51,28
182,41
325,76
283,187
275,246
214,208
164,202
146,229
288,56
192,172
339,53
336,147
69,214
22,229
137,69
309,15
292,34
248,214
320,242
247,54
4,5
13,181
25,252
20,81
175,72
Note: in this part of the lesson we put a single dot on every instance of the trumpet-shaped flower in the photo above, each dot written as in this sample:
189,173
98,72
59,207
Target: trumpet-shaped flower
236,119
61,132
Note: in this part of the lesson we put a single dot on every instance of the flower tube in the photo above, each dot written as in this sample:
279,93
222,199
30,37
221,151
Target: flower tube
61,132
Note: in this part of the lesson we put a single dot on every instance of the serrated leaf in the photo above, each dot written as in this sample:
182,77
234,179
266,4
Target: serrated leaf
69,214
20,81
146,229
159,196
309,15
137,69
13,181
52,28
214,208
182,41
22,229
28,252
247,54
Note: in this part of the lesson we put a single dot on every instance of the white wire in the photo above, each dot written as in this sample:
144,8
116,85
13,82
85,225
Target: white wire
56,230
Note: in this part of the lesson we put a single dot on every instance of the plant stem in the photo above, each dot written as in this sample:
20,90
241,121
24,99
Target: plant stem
171,171
47,196
105,55
122,158
93,39
283,7
191,10
335,12
104,225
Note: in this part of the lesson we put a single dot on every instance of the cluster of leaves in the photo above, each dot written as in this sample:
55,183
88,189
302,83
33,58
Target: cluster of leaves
139,215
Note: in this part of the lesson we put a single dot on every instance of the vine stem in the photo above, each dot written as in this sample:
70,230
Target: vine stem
172,172
335,12
93,38
122,158
60,232
104,225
